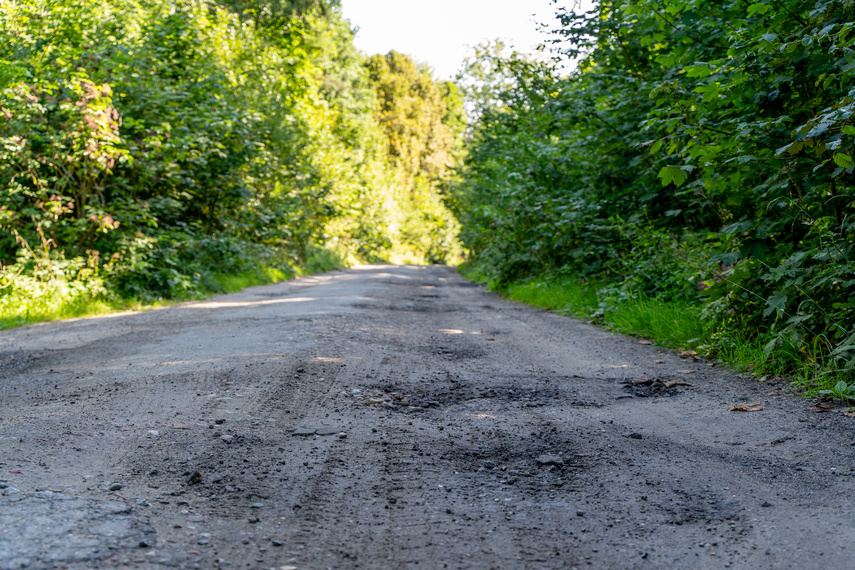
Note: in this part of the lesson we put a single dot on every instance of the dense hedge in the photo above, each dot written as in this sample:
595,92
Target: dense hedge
147,143
703,151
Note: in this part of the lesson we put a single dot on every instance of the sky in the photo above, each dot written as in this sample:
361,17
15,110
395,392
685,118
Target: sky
438,32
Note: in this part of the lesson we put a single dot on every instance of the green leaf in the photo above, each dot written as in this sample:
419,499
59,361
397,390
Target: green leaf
842,160
758,8
673,174
698,70
770,346
775,303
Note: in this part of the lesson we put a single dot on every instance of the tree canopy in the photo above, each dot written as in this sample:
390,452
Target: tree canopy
149,143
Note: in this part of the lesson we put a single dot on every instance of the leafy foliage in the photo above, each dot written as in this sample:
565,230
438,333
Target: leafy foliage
164,142
702,151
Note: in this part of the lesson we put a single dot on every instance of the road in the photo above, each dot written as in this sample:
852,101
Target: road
401,417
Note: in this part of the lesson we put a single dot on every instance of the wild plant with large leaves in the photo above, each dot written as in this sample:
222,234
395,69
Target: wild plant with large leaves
702,151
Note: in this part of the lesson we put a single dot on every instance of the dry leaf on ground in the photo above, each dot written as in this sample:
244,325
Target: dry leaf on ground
645,342
747,407
674,382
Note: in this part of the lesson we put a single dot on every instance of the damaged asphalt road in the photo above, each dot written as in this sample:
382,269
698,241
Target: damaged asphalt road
401,417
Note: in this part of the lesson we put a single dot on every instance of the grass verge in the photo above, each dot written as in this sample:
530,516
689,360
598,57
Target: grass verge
672,324
28,301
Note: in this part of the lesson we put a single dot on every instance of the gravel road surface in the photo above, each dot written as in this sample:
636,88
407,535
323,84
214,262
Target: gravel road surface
401,417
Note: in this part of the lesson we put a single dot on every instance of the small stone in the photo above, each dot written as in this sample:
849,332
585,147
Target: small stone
550,460
580,513
636,436
140,501
326,430
202,541
276,542
153,432
252,520
643,379
257,506
10,491
144,544
342,435
195,478
219,422
153,472
4,484
116,487
227,438
765,504
304,431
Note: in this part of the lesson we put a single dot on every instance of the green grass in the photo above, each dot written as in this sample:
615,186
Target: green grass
675,325
672,324
28,301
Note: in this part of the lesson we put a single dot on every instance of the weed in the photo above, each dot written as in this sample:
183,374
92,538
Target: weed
842,391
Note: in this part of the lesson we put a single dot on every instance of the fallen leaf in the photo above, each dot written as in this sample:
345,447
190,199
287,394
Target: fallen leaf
674,382
658,362
849,414
17,472
820,407
773,394
746,407
645,342
688,354
686,371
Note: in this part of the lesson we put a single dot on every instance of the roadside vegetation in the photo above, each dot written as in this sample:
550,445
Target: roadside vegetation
153,150
691,181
